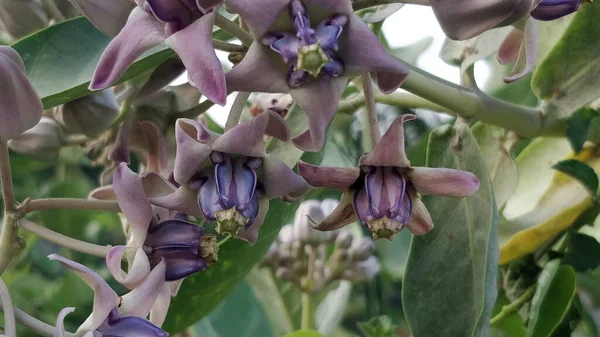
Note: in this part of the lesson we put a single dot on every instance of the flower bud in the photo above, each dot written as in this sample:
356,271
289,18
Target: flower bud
549,10
363,250
89,115
286,235
362,271
303,231
344,240
42,142
22,17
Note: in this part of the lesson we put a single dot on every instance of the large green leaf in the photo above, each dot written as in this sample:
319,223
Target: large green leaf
569,76
61,60
450,281
552,299
202,292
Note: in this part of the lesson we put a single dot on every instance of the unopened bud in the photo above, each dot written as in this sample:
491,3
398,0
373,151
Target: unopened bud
42,142
303,231
22,17
344,240
286,234
363,250
89,115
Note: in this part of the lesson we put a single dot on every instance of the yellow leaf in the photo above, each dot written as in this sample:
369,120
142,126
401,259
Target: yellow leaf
529,240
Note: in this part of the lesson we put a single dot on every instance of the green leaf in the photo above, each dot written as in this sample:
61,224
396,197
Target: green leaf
452,270
583,253
568,78
581,171
60,60
304,333
242,307
578,126
203,291
511,325
381,326
552,299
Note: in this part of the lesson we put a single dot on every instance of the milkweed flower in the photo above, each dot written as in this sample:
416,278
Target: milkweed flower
382,191
311,49
185,26
230,178
113,315
549,10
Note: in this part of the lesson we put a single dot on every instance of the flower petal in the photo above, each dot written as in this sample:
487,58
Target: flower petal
103,193
180,262
191,153
161,306
60,322
174,233
154,145
245,183
206,5
199,58
527,54
139,301
119,153
131,327
339,178
443,181
20,106
138,269
141,33
259,15
109,16
274,172
361,205
362,52
389,151
250,234
182,200
509,49
420,221
208,199
319,100
341,216
554,9
258,72
133,201
105,299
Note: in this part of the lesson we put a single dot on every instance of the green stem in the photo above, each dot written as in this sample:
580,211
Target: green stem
69,203
8,193
225,239
372,119
9,243
228,47
513,307
236,110
308,312
10,328
234,29
123,111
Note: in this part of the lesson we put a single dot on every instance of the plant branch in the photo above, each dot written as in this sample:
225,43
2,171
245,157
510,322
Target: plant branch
308,312
228,47
358,5
68,203
236,110
39,327
234,29
63,240
9,241
371,110
8,193
514,306
10,328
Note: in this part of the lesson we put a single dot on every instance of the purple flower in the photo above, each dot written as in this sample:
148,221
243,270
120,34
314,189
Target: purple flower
230,178
309,48
20,106
114,316
521,47
549,10
181,24
382,191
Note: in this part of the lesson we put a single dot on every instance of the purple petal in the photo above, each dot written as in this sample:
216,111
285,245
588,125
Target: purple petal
226,188
250,234
245,183
105,299
549,10
274,172
141,33
251,212
162,303
527,54
339,178
396,188
208,199
133,201
363,53
180,262
420,221
60,324
131,327
341,216
259,15
154,146
247,139
443,181
182,200
156,186
109,16
376,193
119,153
174,233
199,58
206,5
328,31
361,205
191,153
319,101
172,11
284,44
20,106
510,47
389,151
139,301
103,193
139,267
260,70
403,213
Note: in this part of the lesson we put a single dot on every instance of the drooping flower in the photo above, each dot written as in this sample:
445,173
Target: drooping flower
230,178
310,48
382,191
521,47
42,142
113,315
548,10
182,25
20,107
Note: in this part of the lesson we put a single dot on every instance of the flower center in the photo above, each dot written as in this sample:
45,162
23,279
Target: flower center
309,51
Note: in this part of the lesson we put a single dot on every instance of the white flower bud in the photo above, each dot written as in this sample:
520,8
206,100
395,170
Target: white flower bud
363,250
286,234
368,268
89,115
303,230
343,240
42,142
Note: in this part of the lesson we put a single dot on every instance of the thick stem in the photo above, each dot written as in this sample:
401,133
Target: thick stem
10,328
399,99
9,235
39,327
371,110
68,203
514,306
8,193
308,312
525,121
228,47
236,110
233,29
65,241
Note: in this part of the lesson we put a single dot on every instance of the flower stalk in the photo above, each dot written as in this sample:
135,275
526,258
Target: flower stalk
308,312
9,236
10,328
514,306
233,29
71,203
236,110
371,110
